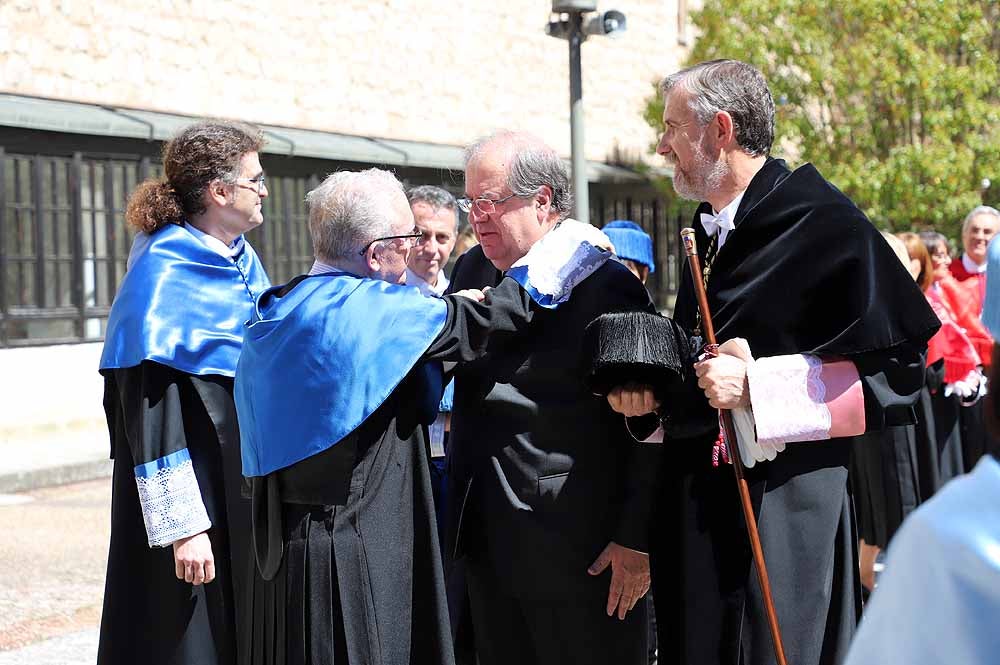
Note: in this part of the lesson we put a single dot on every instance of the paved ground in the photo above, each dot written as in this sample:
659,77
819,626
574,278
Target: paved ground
53,555
45,457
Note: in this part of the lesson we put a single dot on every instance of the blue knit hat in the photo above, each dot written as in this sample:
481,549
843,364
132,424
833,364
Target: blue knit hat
631,242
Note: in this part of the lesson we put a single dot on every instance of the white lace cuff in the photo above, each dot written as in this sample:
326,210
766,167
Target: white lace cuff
561,259
801,398
171,500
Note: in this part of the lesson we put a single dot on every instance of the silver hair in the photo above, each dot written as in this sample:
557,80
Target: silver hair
735,87
532,164
435,197
350,209
976,212
932,239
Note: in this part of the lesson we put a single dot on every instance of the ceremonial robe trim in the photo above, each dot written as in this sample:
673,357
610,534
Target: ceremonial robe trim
560,260
800,397
172,507
182,305
321,355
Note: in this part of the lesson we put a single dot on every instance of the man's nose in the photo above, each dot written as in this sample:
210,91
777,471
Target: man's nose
477,217
663,148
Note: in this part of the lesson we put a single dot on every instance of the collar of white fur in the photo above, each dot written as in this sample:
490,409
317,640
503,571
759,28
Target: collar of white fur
560,260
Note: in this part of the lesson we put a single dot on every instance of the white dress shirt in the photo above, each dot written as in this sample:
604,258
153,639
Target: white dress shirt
222,249
971,266
722,221
413,279
318,268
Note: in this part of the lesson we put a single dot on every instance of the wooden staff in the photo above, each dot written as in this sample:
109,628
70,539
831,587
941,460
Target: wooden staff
687,237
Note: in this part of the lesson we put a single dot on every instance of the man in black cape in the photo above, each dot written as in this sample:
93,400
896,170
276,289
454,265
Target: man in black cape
550,497
799,279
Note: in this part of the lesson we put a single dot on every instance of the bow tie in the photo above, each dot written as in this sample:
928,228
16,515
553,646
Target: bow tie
713,223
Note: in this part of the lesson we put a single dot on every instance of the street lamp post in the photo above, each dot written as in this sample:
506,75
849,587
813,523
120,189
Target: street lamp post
578,159
573,29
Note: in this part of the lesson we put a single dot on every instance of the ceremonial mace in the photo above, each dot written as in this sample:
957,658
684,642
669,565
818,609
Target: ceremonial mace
687,237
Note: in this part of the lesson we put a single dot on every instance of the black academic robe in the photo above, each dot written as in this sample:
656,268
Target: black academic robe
885,481
938,433
349,563
149,615
542,476
803,272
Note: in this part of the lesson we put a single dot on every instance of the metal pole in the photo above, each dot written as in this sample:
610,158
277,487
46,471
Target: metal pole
581,196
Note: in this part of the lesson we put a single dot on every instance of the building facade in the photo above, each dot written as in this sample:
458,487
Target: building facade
89,92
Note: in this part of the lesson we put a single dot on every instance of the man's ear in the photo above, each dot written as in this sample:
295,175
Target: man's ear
372,257
543,202
725,129
217,193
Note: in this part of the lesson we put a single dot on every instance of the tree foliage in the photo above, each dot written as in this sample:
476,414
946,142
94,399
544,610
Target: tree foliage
897,102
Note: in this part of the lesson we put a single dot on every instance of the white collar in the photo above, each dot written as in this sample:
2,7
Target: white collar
318,268
413,279
724,221
971,266
222,249
729,212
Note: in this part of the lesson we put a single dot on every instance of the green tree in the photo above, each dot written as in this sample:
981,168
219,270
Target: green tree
897,102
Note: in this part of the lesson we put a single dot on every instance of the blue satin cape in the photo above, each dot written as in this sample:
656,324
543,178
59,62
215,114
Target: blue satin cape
182,305
320,360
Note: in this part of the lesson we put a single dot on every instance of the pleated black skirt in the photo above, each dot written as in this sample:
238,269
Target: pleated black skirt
976,438
298,617
939,441
885,481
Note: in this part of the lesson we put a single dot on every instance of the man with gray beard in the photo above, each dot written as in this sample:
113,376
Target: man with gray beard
822,334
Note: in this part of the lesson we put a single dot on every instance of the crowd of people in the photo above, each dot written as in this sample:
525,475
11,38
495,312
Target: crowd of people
381,463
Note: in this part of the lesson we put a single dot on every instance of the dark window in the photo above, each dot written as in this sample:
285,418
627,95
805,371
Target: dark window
64,242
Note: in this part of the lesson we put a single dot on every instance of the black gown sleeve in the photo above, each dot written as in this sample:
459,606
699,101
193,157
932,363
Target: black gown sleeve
147,401
472,328
891,380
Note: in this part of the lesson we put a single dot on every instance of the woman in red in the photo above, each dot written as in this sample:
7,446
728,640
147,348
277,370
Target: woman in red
964,305
954,378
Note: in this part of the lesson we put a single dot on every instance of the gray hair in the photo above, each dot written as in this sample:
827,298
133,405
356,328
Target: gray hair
350,209
738,89
436,197
933,239
532,164
976,212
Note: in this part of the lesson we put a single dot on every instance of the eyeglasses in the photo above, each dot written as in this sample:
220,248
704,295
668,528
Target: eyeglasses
482,205
412,237
258,181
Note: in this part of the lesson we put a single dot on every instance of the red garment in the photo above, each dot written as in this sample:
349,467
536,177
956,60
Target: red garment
966,305
975,282
950,342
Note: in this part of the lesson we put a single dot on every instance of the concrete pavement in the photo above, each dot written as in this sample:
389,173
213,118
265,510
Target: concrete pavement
53,559
52,426
48,456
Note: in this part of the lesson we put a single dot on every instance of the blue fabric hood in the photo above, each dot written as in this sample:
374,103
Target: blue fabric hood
322,358
182,305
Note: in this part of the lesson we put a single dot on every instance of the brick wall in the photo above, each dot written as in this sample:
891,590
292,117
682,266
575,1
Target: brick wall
444,71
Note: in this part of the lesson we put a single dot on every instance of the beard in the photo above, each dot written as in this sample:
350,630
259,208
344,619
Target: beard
702,178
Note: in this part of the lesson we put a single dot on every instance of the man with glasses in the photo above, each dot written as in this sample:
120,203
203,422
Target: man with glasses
550,496
178,560
338,380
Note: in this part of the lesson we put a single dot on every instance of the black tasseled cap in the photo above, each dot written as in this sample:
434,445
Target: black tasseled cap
636,346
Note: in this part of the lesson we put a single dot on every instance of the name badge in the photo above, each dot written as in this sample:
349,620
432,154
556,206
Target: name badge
437,436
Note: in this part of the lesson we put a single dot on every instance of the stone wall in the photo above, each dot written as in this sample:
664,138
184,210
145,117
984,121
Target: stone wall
423,70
